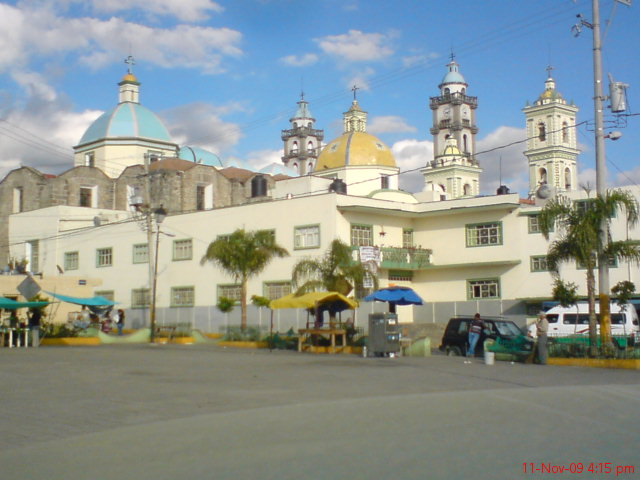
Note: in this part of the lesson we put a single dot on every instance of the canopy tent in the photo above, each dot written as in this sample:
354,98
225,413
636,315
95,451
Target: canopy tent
329,301
395,295
88,301
9,304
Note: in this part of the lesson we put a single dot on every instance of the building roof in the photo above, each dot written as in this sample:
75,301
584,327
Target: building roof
453,75
126,120
355,148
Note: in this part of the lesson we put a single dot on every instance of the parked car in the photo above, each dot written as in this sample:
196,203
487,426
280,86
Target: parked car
456,336
574,320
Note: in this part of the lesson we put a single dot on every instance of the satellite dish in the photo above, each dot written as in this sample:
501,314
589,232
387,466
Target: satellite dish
544,192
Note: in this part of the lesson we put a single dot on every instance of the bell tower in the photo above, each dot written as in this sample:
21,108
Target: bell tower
551,142
454,172
302,142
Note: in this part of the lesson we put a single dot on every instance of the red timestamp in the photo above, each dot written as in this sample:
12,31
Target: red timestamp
599,468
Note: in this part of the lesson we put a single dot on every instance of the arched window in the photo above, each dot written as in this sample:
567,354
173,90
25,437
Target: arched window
463,91
567,179
295,166
295,124
464,144
565,132
447,91
543,176
542,132
310,167
467,189
310,148
294,147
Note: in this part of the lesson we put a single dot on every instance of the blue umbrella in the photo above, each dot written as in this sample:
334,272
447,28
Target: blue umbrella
395,295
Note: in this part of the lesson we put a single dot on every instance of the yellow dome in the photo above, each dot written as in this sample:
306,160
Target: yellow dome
355,148
129,78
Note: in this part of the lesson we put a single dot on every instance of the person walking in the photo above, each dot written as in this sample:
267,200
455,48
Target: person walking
475,329
542,328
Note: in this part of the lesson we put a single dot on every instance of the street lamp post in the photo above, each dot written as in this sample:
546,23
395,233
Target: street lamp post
159,214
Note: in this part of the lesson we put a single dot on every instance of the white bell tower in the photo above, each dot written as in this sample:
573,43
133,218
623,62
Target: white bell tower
551,142
302,142
454,172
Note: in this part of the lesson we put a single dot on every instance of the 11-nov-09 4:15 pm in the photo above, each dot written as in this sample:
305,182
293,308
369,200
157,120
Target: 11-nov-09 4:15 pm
599,468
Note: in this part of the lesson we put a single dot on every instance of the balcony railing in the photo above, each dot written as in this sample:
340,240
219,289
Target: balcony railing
393,258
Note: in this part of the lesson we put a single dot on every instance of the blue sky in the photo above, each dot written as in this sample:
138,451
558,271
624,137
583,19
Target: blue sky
226,75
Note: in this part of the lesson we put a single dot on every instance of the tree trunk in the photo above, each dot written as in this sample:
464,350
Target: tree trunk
593,322
605,322
243,305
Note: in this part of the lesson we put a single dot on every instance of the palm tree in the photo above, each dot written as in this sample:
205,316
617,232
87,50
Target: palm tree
579,240
335,272
243,255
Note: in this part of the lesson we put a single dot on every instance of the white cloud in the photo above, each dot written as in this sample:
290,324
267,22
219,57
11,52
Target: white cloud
411,155
630,177
357,46
262,158
300,60
360,79
27,35
389,124
201,124
508,163
184,10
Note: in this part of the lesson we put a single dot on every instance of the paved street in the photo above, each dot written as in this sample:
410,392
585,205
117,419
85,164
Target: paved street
199,412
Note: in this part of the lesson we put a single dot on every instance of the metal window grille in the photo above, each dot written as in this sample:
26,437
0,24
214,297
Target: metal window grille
71,260
104,257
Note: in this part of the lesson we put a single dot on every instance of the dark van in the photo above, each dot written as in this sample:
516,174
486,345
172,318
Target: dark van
456,335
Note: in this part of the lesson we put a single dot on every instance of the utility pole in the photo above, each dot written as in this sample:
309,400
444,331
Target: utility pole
601,177
150,245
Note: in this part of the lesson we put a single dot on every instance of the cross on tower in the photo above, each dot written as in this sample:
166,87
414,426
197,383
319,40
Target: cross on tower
355,90
549,69
131,62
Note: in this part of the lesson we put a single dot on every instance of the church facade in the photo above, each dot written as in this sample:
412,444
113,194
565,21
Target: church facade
460,251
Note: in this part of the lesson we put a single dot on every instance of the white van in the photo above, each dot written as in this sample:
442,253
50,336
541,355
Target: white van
564,321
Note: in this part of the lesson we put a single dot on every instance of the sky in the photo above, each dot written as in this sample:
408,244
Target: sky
226,75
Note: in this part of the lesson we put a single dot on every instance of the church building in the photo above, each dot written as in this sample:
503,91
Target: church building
462,252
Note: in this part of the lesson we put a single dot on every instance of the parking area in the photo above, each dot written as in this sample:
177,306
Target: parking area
145,411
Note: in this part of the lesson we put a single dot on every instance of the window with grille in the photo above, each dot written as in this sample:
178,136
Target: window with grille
307,236
539,263
71,260
384,182
200,192
479,289
400,275
182,249
407,238
484,234
182,296
362,235
104,257
108,294
140,297
273,290
141,253
233,292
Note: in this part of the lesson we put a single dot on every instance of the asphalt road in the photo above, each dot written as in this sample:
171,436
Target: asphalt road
204,412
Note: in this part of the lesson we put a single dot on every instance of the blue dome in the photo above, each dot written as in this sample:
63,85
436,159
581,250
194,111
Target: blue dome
128,119
453,75
200,155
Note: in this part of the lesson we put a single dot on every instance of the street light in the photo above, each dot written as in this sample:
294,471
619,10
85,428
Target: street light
160,214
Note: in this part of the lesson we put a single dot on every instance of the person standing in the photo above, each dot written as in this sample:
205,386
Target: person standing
34,326
120,321
542,328
475,329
